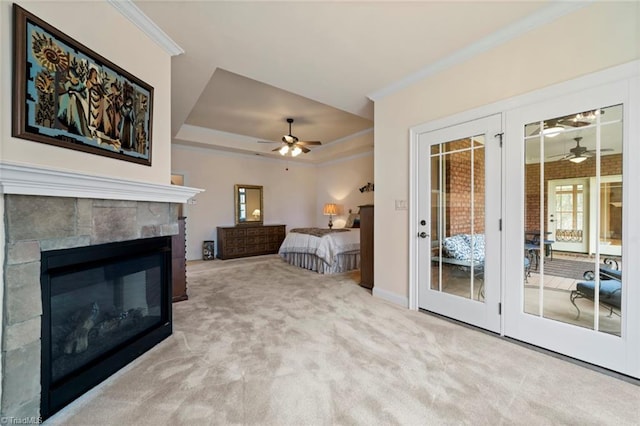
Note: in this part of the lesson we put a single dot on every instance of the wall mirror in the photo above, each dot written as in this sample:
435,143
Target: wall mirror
248,205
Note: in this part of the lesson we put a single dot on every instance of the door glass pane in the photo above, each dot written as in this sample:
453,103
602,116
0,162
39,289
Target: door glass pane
457,217
573,219
611,218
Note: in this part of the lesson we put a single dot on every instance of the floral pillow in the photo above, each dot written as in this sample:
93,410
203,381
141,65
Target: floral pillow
478,246
457,247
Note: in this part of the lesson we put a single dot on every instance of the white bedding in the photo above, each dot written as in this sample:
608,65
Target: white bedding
328,248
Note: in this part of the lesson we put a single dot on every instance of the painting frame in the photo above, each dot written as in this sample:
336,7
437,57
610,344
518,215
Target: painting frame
67,95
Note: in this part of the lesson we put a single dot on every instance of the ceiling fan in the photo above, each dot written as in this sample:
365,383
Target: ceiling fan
578,153
555,126
292,145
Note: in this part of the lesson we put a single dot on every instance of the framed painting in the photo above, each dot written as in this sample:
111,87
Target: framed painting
67,95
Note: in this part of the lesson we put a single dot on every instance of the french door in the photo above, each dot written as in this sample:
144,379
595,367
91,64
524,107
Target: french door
458,222
573,147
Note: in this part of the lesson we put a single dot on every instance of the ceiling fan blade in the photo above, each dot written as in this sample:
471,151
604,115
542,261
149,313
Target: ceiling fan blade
309,143
558,155
593,151
573,123
304,149
268,142
534,132
277,149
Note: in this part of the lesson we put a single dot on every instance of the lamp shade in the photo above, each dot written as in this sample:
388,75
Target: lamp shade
577,159
330,209
256,213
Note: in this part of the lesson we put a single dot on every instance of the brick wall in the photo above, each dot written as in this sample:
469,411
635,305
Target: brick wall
458,187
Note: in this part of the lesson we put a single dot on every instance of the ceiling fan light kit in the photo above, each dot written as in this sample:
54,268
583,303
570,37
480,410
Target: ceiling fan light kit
292,145
577,160
553,127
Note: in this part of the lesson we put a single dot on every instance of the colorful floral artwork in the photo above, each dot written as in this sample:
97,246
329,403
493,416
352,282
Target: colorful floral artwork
69,96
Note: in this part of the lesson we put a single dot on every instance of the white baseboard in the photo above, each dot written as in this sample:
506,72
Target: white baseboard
391,297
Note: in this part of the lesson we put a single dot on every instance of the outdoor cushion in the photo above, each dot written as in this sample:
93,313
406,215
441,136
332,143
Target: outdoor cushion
459,247
610,291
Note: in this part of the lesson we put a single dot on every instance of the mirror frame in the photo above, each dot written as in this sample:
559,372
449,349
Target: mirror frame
237,205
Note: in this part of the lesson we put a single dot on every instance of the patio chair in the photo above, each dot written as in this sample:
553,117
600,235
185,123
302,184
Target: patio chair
610,290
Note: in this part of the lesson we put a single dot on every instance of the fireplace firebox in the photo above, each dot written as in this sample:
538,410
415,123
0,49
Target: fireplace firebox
103,306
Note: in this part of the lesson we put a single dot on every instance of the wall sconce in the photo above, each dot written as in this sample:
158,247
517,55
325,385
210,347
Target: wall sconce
367,188
330,209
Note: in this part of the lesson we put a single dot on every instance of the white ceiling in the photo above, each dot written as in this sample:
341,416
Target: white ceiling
248,66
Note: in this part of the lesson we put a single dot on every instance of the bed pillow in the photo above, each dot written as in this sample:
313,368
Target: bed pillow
351,220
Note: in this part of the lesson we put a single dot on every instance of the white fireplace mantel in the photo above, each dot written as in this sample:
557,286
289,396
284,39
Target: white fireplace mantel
29,179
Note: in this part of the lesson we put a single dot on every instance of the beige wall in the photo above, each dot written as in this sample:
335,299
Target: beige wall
593,38
338,183
104,30
291,197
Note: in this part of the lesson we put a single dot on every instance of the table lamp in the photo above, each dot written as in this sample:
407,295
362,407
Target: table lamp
329,210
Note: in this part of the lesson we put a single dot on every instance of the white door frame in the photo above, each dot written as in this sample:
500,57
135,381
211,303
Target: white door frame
551,196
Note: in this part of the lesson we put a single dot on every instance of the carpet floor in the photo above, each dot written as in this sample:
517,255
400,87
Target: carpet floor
262,342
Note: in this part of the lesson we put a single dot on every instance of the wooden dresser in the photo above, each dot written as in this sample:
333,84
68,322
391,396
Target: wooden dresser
179,263
249,240
366,246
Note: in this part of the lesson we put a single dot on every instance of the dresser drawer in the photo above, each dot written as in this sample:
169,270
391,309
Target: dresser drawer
235,232
241,241
255,231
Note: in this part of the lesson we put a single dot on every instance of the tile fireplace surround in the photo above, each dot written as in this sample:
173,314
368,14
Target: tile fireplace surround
46,209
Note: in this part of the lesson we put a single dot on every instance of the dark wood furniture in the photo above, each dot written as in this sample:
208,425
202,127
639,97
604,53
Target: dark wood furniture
179,263
249,240
366,246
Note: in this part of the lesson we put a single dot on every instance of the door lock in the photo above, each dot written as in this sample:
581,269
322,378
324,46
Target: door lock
423,235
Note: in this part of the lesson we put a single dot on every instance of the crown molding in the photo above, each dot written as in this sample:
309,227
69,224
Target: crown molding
345,138
29,179
542,17
130,11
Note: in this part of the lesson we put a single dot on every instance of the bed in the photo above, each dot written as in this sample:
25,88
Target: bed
326,251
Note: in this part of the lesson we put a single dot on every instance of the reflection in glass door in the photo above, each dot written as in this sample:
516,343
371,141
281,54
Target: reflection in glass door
610,237
457,220
578,159
568,221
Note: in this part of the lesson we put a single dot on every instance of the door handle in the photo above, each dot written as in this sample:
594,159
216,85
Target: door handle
423,235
